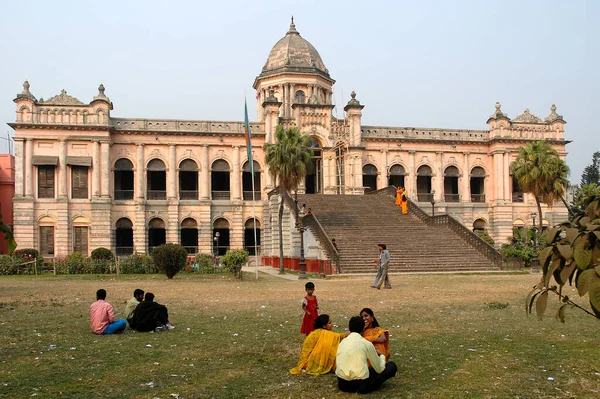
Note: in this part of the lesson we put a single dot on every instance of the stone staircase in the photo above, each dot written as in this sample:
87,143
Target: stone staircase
416,242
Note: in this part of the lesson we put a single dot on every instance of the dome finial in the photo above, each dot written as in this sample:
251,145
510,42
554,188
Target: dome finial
292,27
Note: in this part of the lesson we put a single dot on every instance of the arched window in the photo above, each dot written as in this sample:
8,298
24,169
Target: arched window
247,182
396,176
424,175
124,182
300,97
157,235
219,180
369,177
479,224
156,180
249,236
477,184
124,237
220,237
314,178
189,235
188,180
451,184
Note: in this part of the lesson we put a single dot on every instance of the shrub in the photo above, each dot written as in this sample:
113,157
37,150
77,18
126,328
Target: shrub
7,265
76,263
205,263
484,236
170,258
28,254
138,264
234,259
102,253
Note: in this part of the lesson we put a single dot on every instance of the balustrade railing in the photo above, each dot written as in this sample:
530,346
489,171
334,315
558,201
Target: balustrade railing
424,197
123,194
156,194
188,194
221,195
248,195
517,197
452,197
478,198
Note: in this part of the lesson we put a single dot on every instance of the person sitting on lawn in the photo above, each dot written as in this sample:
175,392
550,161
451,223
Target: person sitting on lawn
102,316
151,316
138,296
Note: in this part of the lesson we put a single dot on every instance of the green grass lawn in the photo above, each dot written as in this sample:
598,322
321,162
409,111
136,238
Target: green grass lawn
452,336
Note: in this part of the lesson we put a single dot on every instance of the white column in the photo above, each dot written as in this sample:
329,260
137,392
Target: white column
498,176
411,181
466,191
205,179
105,150
140,192
29,165
235,181
19,177
439,168
96,169
507,193
281,99
172,177
62,169
383,173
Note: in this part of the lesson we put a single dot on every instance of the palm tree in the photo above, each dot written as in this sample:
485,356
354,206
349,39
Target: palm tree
541,172
288,159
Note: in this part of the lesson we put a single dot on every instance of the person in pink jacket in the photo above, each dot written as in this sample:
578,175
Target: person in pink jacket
102,316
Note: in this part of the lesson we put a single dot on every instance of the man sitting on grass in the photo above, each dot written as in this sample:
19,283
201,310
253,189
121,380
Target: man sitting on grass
138,296
102,316
151,316
352,362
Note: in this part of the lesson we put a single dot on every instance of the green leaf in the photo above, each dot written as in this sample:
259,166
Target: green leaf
560,315
8,235
551,235
529,299
596,311
597,234
583,281
545,256
597,269
566,251
572,234
592,227
582,256
592,209
594,291
566,273
540,305
584,221
548,274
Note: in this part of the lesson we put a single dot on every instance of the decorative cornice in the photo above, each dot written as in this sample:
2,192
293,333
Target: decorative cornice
527,117
62,99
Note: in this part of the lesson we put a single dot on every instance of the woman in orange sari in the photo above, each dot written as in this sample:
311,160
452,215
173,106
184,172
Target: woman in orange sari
375,334
399,192
403,201
319,349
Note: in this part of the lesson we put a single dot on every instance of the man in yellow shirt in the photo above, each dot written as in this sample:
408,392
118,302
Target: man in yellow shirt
352,362
138,296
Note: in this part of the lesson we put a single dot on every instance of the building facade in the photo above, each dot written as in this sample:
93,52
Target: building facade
7,192
85,179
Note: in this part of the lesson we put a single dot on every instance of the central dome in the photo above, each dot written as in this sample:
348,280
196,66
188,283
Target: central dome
294,54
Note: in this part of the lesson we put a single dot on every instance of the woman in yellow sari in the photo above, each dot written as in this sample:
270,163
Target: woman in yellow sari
399,192
375,334
319,349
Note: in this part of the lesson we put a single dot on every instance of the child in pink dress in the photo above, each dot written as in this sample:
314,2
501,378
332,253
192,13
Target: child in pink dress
310,308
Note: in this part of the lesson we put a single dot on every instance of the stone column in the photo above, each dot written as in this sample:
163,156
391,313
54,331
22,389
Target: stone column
172,176
204,173
105,150
62,169
19,176
96,170
29,178
466,191
439,171
507,191
498,179
140,192
411,180
235,182
383,174
282,109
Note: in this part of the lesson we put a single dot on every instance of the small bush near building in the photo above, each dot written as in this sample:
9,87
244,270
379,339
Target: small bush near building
205,263
484,236
102,254
234,260
137,264
170,259
27,255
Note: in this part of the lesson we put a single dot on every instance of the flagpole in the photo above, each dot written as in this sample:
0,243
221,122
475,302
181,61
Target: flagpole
254,216
251,163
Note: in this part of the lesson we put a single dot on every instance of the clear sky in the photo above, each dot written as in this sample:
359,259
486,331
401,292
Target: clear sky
412,63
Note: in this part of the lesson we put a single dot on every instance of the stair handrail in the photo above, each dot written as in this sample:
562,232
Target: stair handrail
311,221
454,224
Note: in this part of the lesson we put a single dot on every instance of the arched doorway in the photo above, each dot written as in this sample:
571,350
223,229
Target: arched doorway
249,236
247,181
123,176
451,184
156,180
369,177
479,224
220,236
124,237
396,176
517,193
188,180
189,235
477,184
424,175
314,178
219,180
518,228
157,235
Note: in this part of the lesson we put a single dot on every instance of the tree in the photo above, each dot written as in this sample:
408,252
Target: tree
591,173
572,255
582,198
541,172
170,258
8,235
234,259
288,158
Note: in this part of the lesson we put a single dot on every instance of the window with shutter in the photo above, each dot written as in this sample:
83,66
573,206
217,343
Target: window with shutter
46,181
47,240
80,240
79,181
